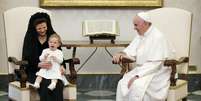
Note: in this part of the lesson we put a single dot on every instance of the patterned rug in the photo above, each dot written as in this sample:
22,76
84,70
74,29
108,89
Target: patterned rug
101,100
3,93
100,93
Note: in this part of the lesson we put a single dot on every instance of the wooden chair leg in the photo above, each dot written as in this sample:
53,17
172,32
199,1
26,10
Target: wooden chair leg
10,99
184,99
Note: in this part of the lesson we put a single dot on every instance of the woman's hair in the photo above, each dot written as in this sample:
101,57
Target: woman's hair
55,35
39,21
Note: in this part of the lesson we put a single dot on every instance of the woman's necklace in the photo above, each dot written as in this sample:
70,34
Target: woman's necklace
42,39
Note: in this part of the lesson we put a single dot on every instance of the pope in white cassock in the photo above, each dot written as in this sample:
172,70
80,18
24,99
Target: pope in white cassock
149,80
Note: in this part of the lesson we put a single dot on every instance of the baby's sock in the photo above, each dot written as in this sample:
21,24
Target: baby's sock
36,85
52,86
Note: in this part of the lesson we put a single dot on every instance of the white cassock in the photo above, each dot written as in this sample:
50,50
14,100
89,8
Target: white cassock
54,72
153,83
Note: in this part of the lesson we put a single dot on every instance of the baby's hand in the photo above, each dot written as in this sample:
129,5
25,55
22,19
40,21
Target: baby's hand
46,55
53,58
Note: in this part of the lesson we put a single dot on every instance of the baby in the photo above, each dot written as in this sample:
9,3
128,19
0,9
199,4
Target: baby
55,57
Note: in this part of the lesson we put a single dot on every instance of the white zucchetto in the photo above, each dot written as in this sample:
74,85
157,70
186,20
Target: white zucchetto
145,16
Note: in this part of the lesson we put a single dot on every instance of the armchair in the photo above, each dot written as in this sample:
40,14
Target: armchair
16,25
176,24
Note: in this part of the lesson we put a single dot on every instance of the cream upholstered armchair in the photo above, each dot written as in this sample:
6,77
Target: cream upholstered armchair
176,25
16,23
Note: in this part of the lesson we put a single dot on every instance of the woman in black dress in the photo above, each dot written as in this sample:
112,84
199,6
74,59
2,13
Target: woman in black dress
36,39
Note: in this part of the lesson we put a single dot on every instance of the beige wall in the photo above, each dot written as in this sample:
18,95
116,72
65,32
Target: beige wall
67,22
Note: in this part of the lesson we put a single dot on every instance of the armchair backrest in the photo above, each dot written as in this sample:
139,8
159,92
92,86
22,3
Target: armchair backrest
16,22
175,23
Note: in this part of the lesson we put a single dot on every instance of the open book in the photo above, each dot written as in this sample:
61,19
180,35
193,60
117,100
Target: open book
100,27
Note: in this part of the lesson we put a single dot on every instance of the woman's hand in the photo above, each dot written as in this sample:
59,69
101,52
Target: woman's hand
45,65
62,70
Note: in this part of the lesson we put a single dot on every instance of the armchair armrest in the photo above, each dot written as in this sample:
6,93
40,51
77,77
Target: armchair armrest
20,72
173,64
73,73
17,62
125,64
